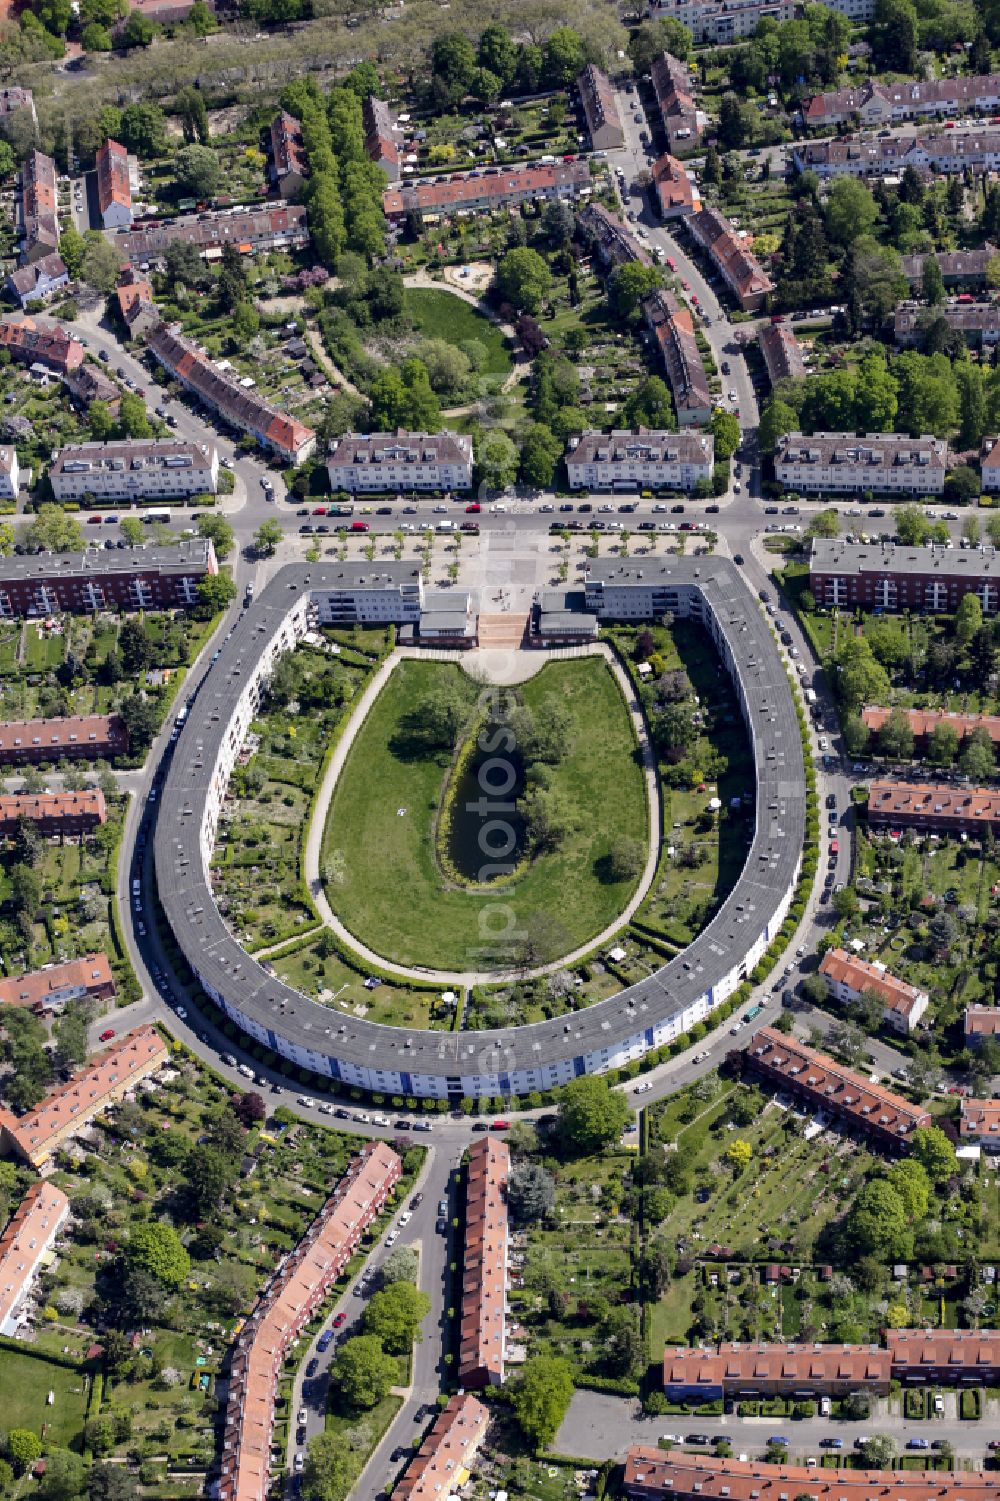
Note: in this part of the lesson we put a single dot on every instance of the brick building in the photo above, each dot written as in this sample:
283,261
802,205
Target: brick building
774,1370
272,428
382,136
822,1084
782,353
923,723
288,156
444,1460
37,1134
884,576
682,120
272,226
31,345
130,578
79,737
114,194
979,1022
951,1357
24,1247
676,192
482,1339
848,977
979,1124
488,188
653,1475
284,1307
672,327
38,207
730,252
49,989
601,109
941,810
53,812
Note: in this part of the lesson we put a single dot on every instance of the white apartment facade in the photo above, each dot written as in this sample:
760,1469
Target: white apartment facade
404,461
135,469
884,463
623,460
10,474
723,20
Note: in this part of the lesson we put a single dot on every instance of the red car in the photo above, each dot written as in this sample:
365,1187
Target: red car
107,1036
473,508
834,847
93,520
360,526
500,1126
686,285
340,1319
319,510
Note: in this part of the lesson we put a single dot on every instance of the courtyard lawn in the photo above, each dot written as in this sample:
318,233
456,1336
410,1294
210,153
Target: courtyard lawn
27,1382
441,315
379,841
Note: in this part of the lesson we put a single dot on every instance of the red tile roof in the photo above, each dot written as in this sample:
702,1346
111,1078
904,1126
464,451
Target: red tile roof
50,739
923,722
50,807
90,974
777,1364
35,1224
49,346
112,176
857,974
486,187
484,1282
705,1477
982,1021
933,807
960,1350
450,1448
980,1118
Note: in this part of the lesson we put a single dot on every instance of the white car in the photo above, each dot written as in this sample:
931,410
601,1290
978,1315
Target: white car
182,1013
659,507
392,1237
404,1218
302,1417
300,1460
700,1057
824,743
642,1088
326,1108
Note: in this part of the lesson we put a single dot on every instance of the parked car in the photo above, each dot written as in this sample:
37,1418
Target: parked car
107,1034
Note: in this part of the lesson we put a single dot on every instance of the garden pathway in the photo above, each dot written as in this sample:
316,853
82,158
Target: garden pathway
495,667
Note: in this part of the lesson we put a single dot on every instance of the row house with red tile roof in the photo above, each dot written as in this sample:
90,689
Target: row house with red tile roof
243,409
848,977
826,1086
979,1125
876,102
482,1339
729,251
601,109
488,188
49,989
652,1474
136,306
114,192
676,191
288,169
284,1307
989,464
31,345
444,1461
774,1370
53,812
272,226
37,1134
953,1357
942,810
77,737
782,353
923,723
979,1022
38,207
683,122
24,1247
382,136
672,327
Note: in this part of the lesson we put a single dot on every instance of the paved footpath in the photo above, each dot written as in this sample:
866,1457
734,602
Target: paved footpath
338,760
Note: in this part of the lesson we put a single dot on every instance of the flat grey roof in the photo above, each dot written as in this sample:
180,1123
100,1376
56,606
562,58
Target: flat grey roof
748,912
180,557
886,557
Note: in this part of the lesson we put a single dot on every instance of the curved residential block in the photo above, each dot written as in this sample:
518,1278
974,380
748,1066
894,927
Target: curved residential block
516,1060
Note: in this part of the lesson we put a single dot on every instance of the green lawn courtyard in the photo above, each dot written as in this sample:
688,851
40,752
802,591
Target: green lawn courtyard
382,820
